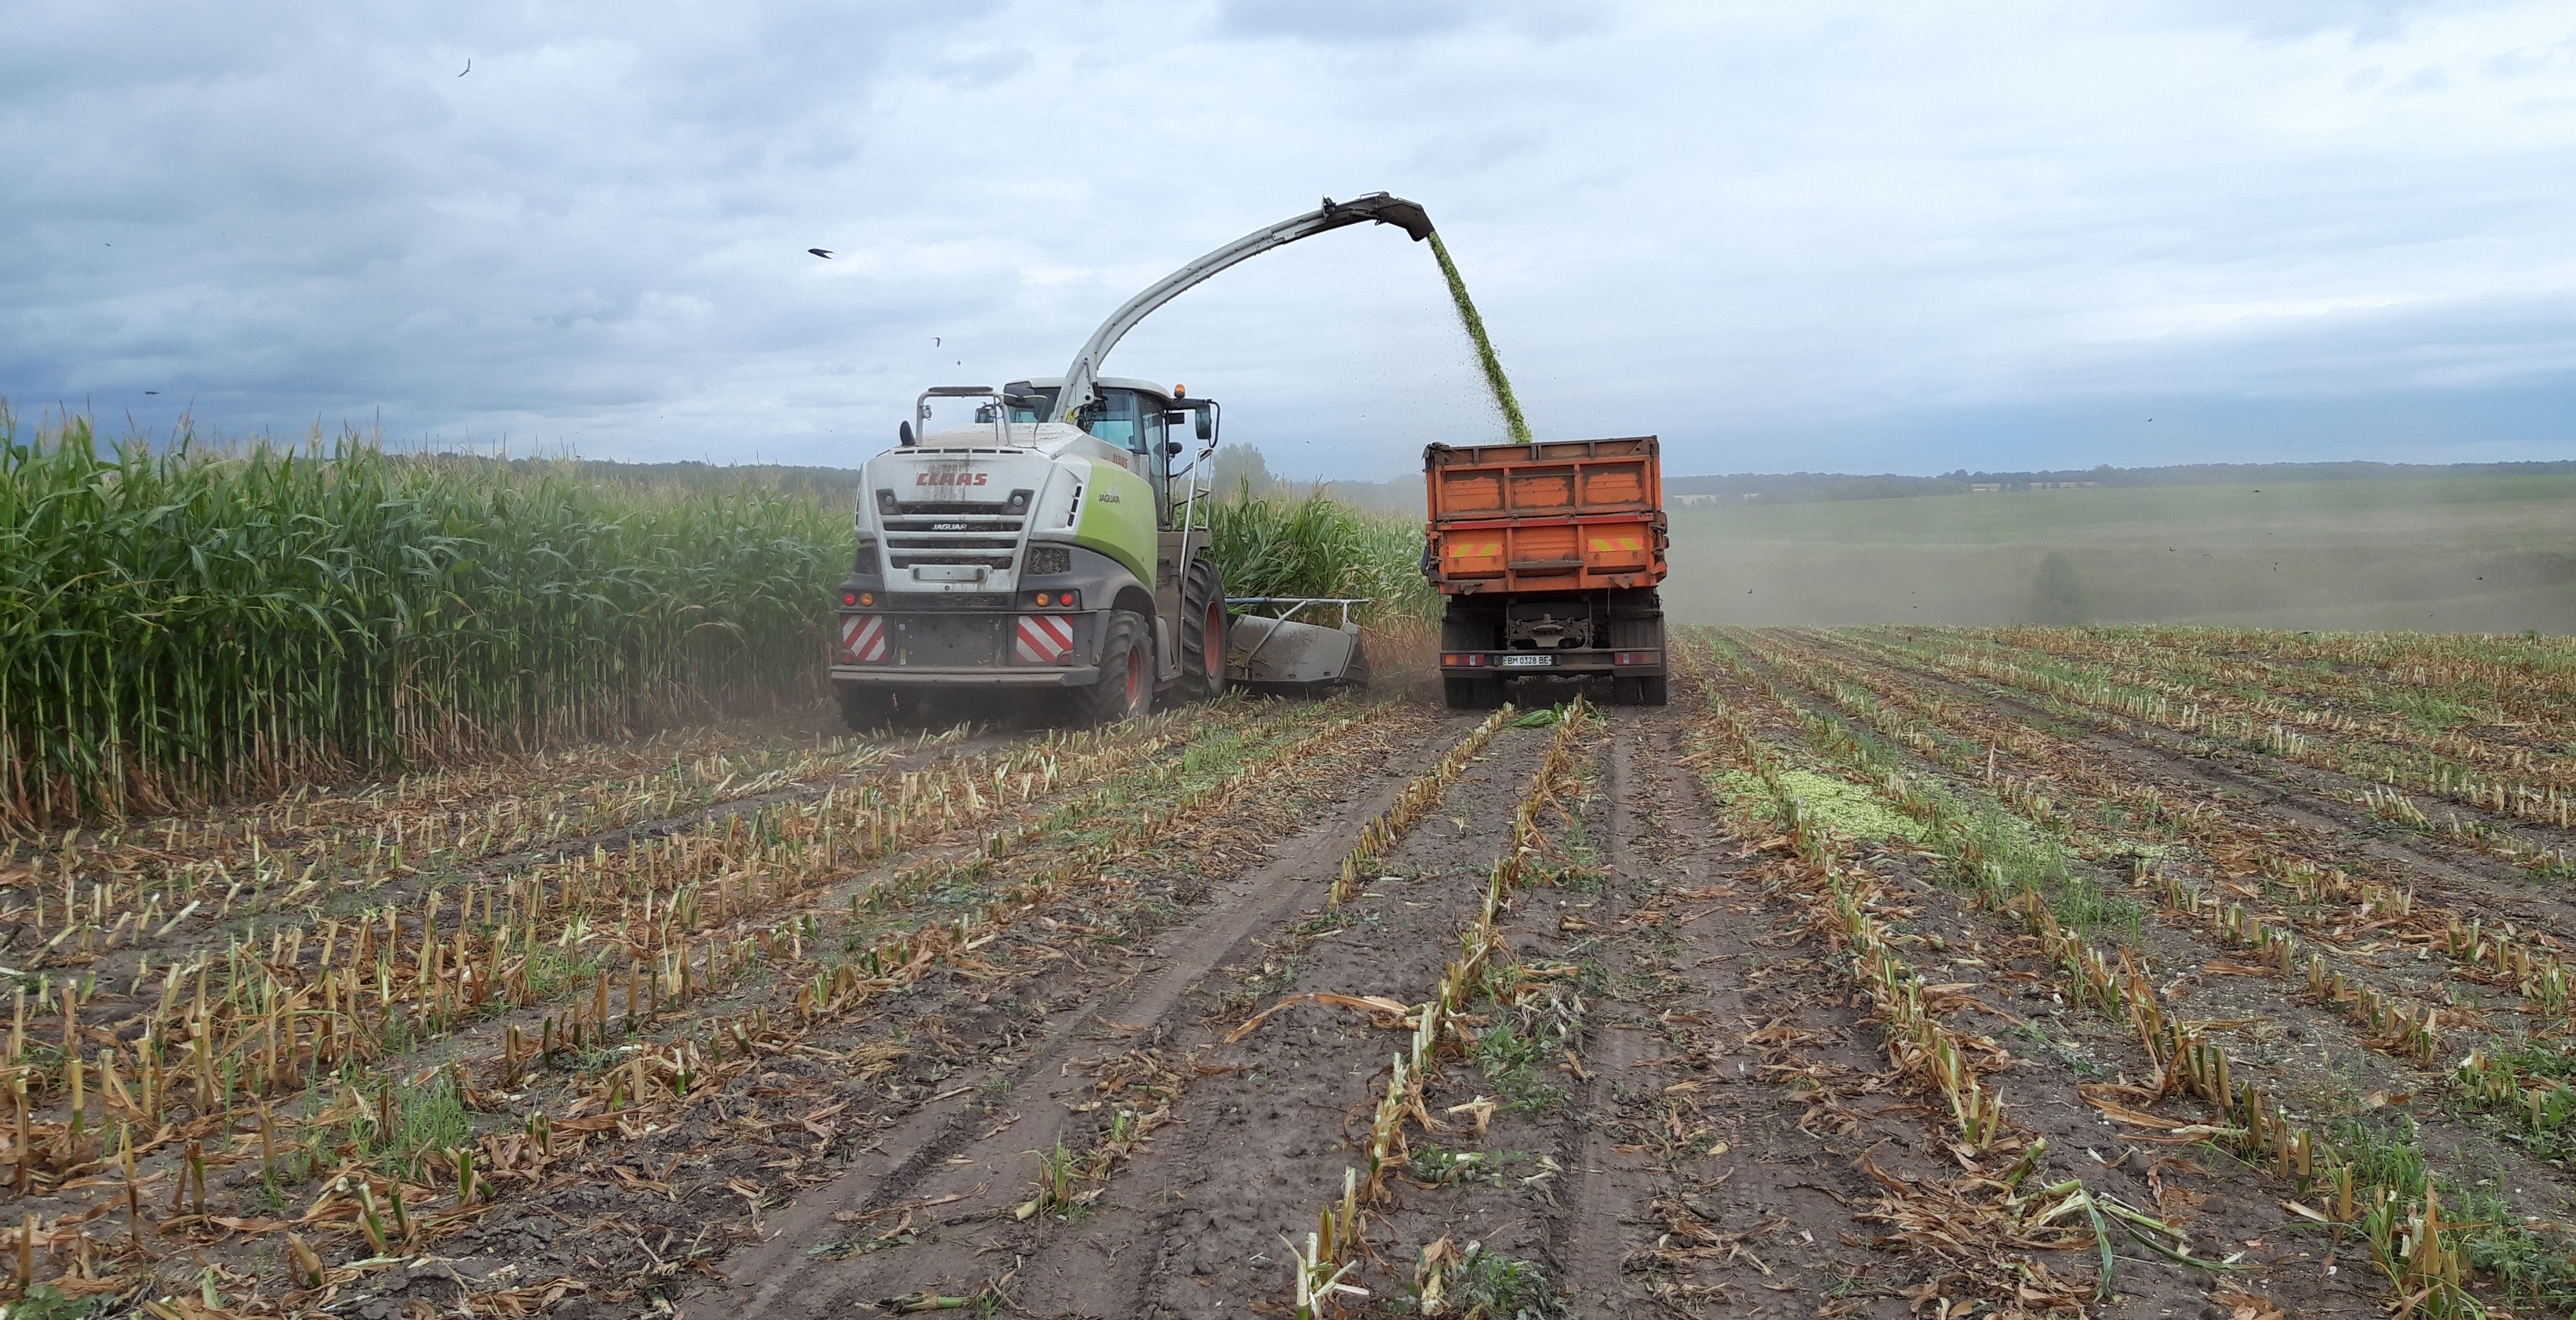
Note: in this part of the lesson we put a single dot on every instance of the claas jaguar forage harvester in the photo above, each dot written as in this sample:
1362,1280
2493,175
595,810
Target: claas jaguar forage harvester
1046,544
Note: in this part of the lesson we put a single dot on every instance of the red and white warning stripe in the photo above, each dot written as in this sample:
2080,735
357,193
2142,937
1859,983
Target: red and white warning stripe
1044,638
863,639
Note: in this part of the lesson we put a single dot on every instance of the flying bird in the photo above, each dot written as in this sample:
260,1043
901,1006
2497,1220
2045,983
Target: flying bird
157,392
820,252
934,341
469,66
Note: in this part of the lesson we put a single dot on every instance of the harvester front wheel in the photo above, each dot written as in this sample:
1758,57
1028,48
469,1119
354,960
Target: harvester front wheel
863,708
1203,632
1125,689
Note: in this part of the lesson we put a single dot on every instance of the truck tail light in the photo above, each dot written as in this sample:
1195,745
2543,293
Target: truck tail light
1462,660
1636,657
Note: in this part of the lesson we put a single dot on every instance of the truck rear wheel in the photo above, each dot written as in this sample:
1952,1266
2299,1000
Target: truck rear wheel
1125,688
1203,632
1644,690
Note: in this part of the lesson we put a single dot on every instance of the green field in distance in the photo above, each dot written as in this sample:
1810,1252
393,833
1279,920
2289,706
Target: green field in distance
2434,554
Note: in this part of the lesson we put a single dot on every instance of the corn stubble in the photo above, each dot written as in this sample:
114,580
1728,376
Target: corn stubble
2444,1246
609,970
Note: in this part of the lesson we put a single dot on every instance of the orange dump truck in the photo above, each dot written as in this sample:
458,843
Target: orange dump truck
1548,556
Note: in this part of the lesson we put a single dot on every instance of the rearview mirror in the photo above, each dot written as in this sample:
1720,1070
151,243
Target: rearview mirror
903,434
1206,426
1171,449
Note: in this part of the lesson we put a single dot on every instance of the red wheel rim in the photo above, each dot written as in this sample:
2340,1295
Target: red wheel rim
1212,640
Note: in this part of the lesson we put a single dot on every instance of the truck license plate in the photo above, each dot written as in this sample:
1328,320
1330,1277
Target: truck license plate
1529,662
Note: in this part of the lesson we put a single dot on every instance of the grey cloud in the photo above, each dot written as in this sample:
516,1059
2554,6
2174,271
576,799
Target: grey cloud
1828,227
2363,21
1355,22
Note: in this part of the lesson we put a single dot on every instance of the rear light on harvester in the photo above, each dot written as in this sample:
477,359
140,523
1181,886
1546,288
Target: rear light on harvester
858,598
1465,659
1636,657
1056,600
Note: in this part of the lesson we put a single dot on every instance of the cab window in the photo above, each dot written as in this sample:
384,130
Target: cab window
1158,465
1118,422
1030,405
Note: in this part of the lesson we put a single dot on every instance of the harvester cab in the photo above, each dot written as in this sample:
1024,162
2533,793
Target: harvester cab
1051,536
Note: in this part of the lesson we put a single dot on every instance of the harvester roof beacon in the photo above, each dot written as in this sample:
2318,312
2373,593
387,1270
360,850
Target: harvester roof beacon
1048,543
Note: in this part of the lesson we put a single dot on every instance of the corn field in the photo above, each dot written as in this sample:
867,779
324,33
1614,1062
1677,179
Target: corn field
186,621
1317,547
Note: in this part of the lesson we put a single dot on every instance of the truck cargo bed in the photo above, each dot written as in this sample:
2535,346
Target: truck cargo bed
1568,515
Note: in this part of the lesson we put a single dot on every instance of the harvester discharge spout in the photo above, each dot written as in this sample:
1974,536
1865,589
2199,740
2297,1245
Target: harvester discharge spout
1081,378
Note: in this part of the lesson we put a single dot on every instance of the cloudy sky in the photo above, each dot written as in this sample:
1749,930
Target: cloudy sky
1818,236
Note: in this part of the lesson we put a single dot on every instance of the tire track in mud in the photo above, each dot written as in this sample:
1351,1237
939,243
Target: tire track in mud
1609,1186
1270,1140
976,1166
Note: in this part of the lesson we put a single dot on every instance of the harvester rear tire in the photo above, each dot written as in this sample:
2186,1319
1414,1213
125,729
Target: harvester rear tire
864,708
1203,632
1125,689
1472,693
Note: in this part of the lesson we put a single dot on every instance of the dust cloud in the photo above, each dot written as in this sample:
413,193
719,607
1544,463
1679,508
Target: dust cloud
2484,554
